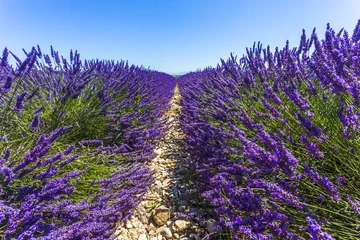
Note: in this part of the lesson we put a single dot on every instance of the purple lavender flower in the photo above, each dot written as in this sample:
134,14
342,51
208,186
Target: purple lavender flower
7,154
270,107
57,59
355,205
324,182
7,174
38,110
57,133
47,60
39,51
91,142
311,147
315,230
71,56
31,95
341,180
52,50
35,122
4,59
8,84
19,105
68,160
69,149
310,114
312,128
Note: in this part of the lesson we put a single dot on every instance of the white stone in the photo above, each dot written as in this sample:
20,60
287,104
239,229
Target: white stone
135,224
142,237
166,232
134,234
151,228
166,182
181,224
128,225
158,151
176,236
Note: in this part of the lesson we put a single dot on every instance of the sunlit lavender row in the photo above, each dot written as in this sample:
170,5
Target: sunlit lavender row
274,139
74,137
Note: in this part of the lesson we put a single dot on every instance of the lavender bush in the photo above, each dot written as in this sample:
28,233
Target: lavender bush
74,137
274,138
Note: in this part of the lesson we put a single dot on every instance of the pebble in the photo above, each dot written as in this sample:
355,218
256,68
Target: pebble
161,218
142,215
134,234
166,232
151,197
181,224
128,225
166,182
142,237
158,151
151,227
135,224
176,236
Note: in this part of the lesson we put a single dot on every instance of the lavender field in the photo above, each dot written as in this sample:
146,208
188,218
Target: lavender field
261,147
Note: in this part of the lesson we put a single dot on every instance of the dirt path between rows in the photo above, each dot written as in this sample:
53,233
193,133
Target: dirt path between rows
168,210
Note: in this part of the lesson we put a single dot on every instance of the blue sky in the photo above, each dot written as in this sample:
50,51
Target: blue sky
169,35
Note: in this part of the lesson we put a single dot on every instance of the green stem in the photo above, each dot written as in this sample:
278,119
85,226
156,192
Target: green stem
328,210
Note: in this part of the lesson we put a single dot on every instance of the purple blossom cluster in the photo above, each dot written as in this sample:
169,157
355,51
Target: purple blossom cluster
262,131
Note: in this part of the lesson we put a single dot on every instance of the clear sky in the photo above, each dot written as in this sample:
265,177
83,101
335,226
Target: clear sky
168,35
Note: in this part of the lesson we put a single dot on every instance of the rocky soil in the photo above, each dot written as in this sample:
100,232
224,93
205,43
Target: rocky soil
171,209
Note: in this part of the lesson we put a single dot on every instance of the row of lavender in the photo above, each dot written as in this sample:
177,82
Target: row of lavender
74,137
274,139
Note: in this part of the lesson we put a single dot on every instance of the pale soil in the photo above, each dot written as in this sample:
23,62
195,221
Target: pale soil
168,210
